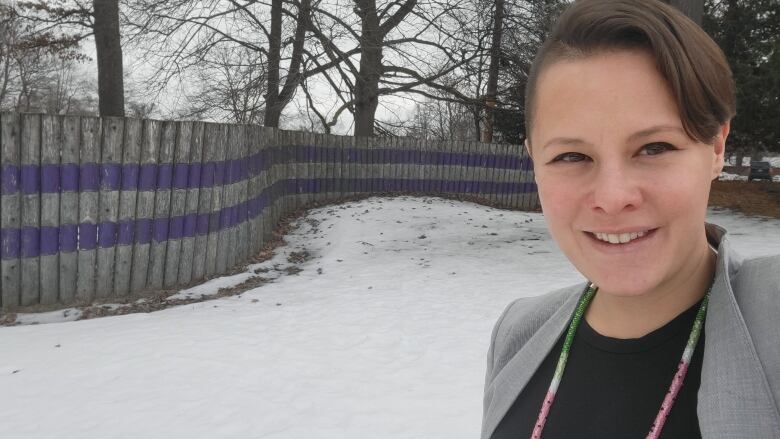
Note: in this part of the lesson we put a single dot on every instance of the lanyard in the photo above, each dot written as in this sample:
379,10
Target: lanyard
674,387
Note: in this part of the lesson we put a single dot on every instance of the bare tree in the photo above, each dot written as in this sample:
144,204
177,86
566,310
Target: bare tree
231,85
66,24
404,48
181,35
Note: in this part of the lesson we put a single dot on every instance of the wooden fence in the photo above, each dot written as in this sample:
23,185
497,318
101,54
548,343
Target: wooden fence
107,207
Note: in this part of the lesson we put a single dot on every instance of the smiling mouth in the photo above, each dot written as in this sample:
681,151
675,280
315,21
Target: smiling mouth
619,239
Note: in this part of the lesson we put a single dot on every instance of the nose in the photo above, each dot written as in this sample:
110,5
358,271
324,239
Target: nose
615,190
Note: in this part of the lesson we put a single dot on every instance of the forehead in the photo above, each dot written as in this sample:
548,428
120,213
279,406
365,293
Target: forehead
605,94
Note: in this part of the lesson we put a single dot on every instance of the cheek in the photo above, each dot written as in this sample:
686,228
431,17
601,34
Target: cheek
558,202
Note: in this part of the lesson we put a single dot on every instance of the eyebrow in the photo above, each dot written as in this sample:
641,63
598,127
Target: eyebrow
637,135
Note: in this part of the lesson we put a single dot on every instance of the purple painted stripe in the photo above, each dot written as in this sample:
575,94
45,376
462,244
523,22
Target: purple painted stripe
107,234
143,230
195,170
161,229
147,180
50,178
190,223
130,177
110,176
207,179
164,176
68,238
69,177
150,176
89,177
176,227
126,232
87,236
9,180
219,173
31,241
180,175
50,240
31,180
10,241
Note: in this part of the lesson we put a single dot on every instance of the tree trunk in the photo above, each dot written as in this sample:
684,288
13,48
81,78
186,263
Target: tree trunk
367,81
111,89
694,9
275,101
492,84
272,108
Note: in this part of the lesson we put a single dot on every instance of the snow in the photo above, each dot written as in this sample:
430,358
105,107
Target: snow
729,176
383,334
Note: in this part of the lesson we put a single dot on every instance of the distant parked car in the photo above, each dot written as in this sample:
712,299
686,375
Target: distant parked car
760,171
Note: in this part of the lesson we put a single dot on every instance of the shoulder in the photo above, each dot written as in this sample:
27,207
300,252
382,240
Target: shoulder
520,321
758,280
756,287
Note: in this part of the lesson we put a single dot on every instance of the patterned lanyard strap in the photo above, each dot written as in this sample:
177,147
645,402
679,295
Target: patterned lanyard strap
674,388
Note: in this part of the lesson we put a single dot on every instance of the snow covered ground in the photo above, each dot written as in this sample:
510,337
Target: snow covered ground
383,334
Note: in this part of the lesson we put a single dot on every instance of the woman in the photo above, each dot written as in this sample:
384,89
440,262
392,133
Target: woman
629,105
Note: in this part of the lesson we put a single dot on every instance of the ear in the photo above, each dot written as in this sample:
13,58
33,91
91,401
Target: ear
527,145
719,149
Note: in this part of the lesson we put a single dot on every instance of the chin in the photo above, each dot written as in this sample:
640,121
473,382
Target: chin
624,283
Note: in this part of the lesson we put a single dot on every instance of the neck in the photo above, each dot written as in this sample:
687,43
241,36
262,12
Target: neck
617,316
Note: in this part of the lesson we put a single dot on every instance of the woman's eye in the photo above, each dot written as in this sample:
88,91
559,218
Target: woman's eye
656,148
570,157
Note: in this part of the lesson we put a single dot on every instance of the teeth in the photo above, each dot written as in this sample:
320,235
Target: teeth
621,238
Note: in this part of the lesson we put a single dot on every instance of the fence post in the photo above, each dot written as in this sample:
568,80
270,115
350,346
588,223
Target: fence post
10,207
69,208
179,190
227,238
190,231
108,203
210,150
219,143
144,212
50,208
242,194
131,166
31,208
89,184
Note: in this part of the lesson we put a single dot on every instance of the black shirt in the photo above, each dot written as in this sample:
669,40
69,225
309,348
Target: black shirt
612,388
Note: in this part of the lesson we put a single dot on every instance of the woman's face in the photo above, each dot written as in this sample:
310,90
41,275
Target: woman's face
613,163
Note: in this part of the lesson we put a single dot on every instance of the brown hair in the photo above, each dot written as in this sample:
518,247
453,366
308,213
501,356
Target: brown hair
692,64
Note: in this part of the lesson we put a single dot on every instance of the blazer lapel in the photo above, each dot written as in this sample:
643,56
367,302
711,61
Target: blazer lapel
734,399
511,380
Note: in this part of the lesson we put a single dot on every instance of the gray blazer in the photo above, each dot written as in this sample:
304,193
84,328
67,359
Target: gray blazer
740,382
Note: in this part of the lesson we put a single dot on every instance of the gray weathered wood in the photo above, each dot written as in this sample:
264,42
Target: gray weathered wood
193,197
266,181
144,205
253,222
162,208
178,203
69,208
111,154
131,161
520,198
210,146
242,232
220,145
227,238
10,208
88,212
31,211
51,143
